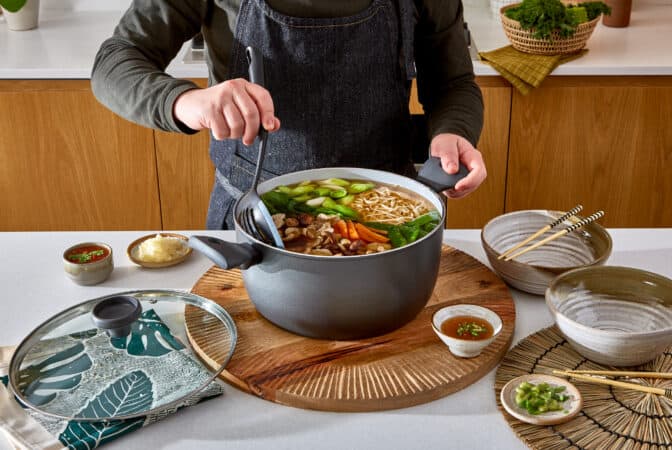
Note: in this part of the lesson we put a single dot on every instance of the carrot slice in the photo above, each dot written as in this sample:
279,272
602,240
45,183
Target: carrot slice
367,234
342,228
352,231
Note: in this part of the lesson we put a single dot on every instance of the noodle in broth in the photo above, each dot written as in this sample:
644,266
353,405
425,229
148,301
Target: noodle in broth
385,205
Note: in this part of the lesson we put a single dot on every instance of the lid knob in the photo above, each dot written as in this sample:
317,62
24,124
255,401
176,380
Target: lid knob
116,314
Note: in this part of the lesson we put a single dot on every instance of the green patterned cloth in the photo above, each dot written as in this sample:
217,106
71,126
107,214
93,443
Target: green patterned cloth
525,71
83,375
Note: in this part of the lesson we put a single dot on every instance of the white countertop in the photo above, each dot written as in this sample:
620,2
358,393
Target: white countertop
35,288
70,32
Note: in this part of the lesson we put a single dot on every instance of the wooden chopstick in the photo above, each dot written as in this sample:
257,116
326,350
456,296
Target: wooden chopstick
554,236
636,387
544,229
623,373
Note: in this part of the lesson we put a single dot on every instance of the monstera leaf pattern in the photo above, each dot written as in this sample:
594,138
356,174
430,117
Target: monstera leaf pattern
149,337
4,379
60,372
128,395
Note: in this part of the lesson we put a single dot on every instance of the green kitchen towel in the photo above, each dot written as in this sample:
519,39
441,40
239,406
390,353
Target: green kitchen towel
57,367
525,71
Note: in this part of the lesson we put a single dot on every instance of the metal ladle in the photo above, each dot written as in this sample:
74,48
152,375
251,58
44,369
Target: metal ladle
253,215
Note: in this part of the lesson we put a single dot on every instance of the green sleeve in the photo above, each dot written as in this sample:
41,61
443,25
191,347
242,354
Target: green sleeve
446,87
128,72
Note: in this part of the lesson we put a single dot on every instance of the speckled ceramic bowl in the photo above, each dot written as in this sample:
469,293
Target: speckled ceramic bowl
93,270
534,271
617,316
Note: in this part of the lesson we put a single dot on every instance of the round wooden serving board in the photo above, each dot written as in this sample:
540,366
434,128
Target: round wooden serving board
406,367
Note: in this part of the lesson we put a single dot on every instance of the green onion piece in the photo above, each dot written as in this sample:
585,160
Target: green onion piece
358,188
346,200
338,193
317,201
335,181
300,190
540,398
321,191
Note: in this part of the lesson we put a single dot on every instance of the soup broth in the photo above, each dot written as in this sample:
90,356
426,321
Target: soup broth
469,328
337,217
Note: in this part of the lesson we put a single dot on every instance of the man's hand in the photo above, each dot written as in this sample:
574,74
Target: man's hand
453,149
231,110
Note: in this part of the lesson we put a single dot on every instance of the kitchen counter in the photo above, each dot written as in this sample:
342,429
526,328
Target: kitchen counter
35,288
70,32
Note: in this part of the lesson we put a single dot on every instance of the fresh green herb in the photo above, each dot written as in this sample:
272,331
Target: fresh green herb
594,9
471,328
85,256
543,17
540,398
577,15
12,5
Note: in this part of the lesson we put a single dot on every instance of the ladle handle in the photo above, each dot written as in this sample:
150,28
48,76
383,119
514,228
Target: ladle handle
256,73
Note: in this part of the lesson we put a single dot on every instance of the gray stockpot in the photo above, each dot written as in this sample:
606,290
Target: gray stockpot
334,297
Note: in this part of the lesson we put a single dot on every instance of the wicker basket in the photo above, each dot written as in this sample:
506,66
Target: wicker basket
556,45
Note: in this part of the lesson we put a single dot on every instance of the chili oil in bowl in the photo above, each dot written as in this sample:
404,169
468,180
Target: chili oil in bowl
88,263
466,329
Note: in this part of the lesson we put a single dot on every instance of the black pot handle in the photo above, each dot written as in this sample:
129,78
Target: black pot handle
432,174
227,255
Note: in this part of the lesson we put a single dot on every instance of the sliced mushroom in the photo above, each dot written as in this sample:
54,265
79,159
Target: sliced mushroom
292,222
278,220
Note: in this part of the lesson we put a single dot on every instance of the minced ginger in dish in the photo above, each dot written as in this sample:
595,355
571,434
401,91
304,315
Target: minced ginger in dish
161,248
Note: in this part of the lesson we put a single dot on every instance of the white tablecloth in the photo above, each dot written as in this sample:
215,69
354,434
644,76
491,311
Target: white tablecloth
34,287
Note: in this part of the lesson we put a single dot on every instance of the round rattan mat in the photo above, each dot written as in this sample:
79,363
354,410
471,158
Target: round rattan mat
611,418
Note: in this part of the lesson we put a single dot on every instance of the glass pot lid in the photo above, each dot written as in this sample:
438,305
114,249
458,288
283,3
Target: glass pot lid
118,357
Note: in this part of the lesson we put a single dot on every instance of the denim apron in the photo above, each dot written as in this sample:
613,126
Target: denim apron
340,87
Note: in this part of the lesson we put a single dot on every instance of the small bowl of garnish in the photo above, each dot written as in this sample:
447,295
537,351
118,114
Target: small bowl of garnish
159,250
466,329
88,263
541,399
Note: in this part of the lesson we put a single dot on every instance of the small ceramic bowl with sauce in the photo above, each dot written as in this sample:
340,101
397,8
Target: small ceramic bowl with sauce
466,329
88,263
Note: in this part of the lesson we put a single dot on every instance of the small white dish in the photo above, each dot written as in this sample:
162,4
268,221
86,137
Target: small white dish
462,347
571,407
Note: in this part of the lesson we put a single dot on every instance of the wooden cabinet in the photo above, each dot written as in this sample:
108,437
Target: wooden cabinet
487,201
186,175
68,163
603,142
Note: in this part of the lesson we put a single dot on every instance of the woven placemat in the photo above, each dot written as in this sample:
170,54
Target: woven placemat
611,418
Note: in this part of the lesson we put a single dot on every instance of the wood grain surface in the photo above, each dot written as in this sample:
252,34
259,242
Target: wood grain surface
603,142
406,367
69,163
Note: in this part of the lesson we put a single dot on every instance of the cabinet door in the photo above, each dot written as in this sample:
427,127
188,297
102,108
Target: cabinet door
186,175
68,163
487,201
603,142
